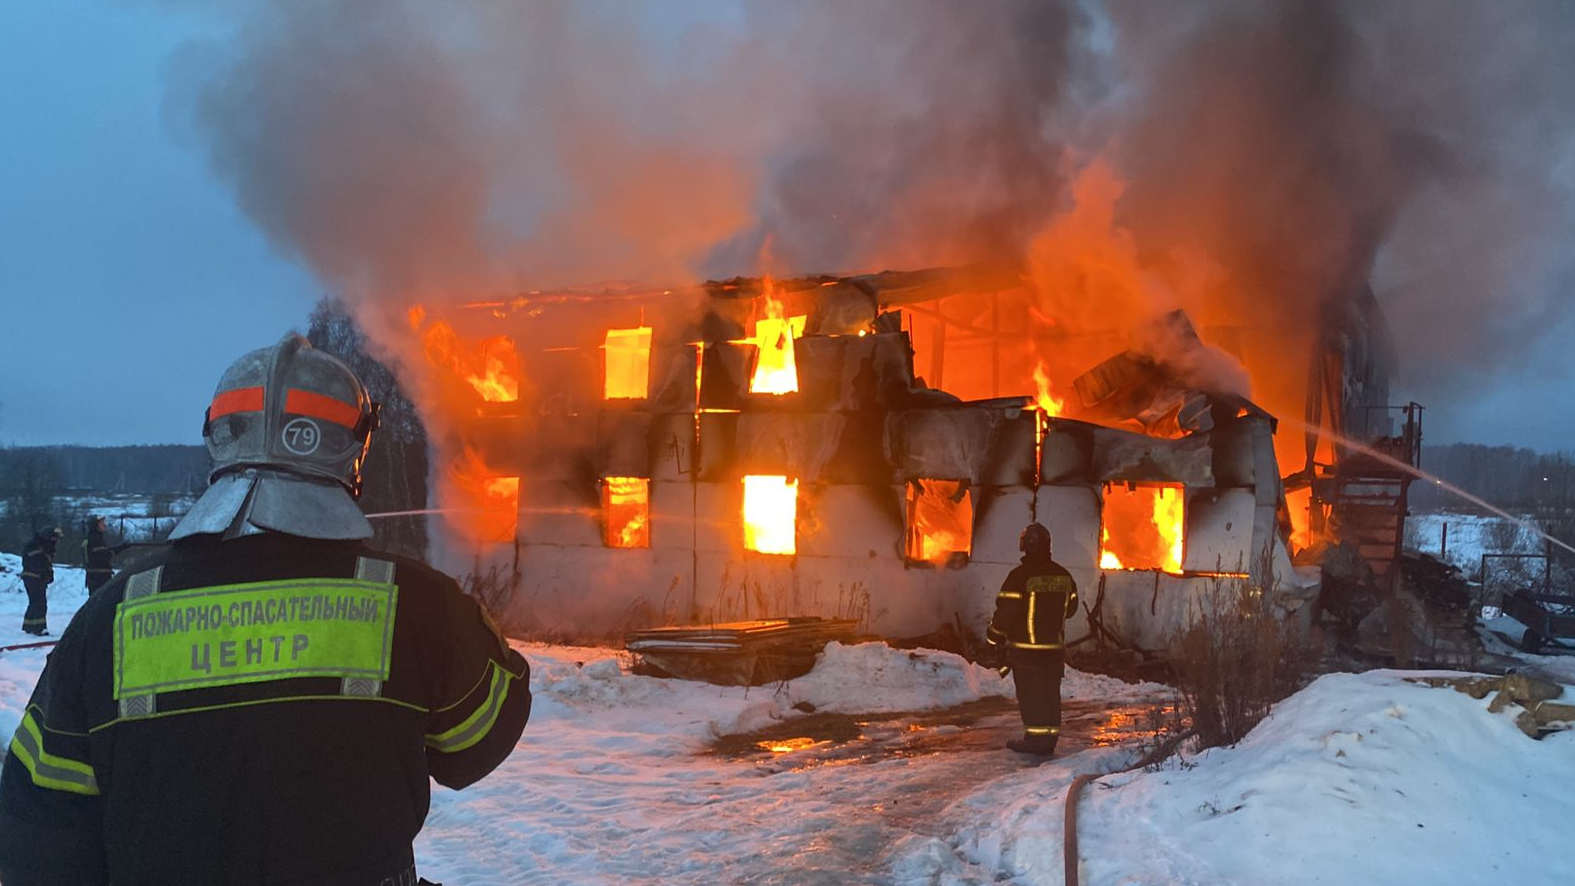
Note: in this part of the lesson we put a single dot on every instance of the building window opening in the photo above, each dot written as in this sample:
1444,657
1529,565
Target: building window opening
500,509
627,362
940,521
1143,527
771,514
626,508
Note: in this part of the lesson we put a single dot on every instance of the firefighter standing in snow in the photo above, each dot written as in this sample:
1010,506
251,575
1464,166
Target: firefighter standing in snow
99,555
38,570
1031,610
265,702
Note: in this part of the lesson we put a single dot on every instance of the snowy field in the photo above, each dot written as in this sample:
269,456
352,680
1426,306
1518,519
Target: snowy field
1357,779
134,517
1469,537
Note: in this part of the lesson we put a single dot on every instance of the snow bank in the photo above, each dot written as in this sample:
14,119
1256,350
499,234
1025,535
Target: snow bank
1359,778
865,678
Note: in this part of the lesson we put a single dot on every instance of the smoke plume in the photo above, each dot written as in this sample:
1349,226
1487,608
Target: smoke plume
1255,164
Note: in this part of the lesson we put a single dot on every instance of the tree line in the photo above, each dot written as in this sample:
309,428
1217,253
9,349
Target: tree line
44,486
1512,477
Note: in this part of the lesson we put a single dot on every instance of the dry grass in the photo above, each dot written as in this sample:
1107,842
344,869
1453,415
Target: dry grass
1236,660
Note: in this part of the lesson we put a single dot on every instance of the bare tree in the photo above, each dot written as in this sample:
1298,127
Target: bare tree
30,487
396,469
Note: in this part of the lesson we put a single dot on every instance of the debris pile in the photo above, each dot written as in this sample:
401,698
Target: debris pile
1540,710
740,653
1428,619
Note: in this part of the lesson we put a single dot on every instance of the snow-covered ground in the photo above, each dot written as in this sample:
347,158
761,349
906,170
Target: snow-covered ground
617,780
1501,634
66,593
1469,537
1359,778
134,517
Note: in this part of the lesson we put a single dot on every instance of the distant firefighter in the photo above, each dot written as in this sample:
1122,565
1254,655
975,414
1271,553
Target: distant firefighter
1031,610
99,554
38,570
269,700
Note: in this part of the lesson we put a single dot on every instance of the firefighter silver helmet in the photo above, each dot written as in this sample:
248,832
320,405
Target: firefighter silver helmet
288,431
1034,540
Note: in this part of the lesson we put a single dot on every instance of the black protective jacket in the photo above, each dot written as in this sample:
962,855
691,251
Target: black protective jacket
99,557
266,710
1036,599
38,559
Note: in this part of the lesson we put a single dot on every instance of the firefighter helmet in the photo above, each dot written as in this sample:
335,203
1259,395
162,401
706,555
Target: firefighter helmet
288,429
1034,540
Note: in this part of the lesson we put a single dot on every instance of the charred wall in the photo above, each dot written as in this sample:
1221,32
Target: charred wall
855,437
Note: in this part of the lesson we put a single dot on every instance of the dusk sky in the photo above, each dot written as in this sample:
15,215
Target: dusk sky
130,277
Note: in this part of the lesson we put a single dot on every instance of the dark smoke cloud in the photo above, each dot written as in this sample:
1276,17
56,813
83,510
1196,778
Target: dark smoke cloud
924,131
1292,151
1309,147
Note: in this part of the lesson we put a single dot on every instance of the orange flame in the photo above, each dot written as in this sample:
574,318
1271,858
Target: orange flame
627,357
626,502
1168,522
490,365
940,520
770,514
1049,403
1107,557
776,372
1149,523
483,505
501,500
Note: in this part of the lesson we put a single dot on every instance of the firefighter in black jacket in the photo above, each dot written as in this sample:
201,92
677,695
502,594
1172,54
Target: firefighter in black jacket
265,702
38,570
1031,610
99,555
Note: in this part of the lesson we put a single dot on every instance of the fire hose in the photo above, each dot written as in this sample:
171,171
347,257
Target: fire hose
39,645
1069,829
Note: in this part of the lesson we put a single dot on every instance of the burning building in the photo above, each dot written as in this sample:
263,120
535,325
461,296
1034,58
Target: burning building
752,448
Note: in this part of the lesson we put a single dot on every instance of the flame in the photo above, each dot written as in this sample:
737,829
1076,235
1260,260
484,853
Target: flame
627,358
1049,403
501,497
1107,558
1168,522
483,505
940,520
1149,524
770,514
489,365
626,502
775,369
1299,504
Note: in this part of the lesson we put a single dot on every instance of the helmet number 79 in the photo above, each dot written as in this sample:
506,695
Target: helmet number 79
302,436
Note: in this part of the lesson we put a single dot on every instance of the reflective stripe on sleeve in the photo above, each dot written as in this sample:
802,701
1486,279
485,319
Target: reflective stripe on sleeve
1009,595
476,726
48,770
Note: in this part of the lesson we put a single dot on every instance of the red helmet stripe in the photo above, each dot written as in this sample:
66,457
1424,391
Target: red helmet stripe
308,403
238,400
